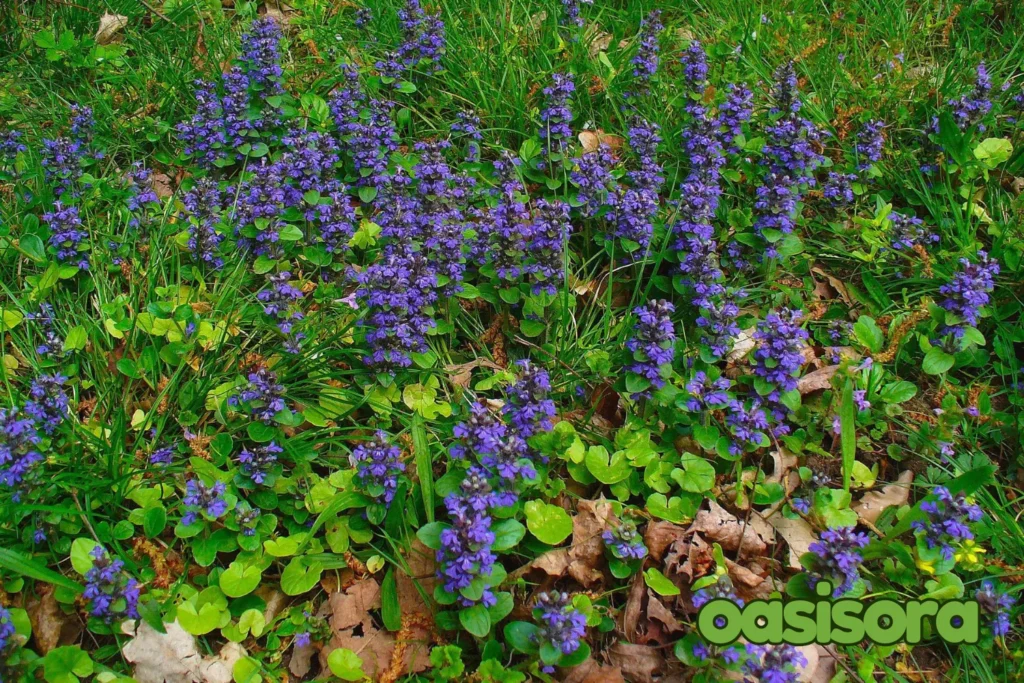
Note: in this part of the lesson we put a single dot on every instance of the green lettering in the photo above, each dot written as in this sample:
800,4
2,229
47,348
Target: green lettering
799,623
917,610
847,625
729,621
762,621
965,612
882,633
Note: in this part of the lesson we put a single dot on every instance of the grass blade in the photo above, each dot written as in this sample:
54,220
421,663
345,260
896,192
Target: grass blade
19,564
848,433
424,466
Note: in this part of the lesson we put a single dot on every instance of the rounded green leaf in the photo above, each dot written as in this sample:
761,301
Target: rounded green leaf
345,664
549,523
238,579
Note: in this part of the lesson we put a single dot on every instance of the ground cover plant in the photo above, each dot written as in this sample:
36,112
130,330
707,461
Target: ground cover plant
431,341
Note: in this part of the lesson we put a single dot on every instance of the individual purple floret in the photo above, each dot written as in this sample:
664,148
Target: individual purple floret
67,235
203,204
773,664
200,498
555,131
112,594
162,456
996,605
549,234
779,355
838,558
653,342
7,629
910,231
465,551
969,289
571,13
838,189
870,142
279,301
262,396
378,464
645,61
707,394
972,108
259,462
309,159
947,519
48,403
625,542
19,442
562,626
528,408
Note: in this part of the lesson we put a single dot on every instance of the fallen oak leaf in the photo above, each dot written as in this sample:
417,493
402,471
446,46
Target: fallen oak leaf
47,619
110,26
173,657
721,526
873,503
460,374
797,534
817,380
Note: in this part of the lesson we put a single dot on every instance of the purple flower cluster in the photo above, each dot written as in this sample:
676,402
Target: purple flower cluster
735,110
779,355
112,594
262,396
555,131
465,551
947,518
67,236
141,195
528,408
722,589
63,160
467,124
10,146
790,158
593,177
47,404
246,517
707,394
370,140
162,456
549,234
202,499
280,301
747,423
838,189
969,289
571,13
625,542
7,630
204,135
505,232
19,443
334,218
423,41
910,231
869,145
652,343
397,291
996,605
645,61
970,109
773,664
259,463
378,464
261,55
500,450
838,558
203,204
638,204
51,341
562,626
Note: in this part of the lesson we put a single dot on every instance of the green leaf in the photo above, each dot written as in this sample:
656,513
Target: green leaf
522,636
507,534
367,194
240,579
430,534
67,664
76,339
476,620
390,610
81,557
246,670
697,475
154,521
345,664
300,576
898,392
23,566
33,247
659,583
339,503
424,464
993,151
867,332
848,433
607,469
937,361
549,523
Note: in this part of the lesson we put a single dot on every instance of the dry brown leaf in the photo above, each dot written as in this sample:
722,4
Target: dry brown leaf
825,669
47,619
657,610
721,526
162,185
461,374
638,663
110,26
352,624
591,140
172,657
818,380
742,344
301,660
634,607
597,40
592,672
873,503
658,536
797,533
582,558
836,284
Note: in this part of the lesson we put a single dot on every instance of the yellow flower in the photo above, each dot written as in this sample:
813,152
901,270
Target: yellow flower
969,555
927,566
